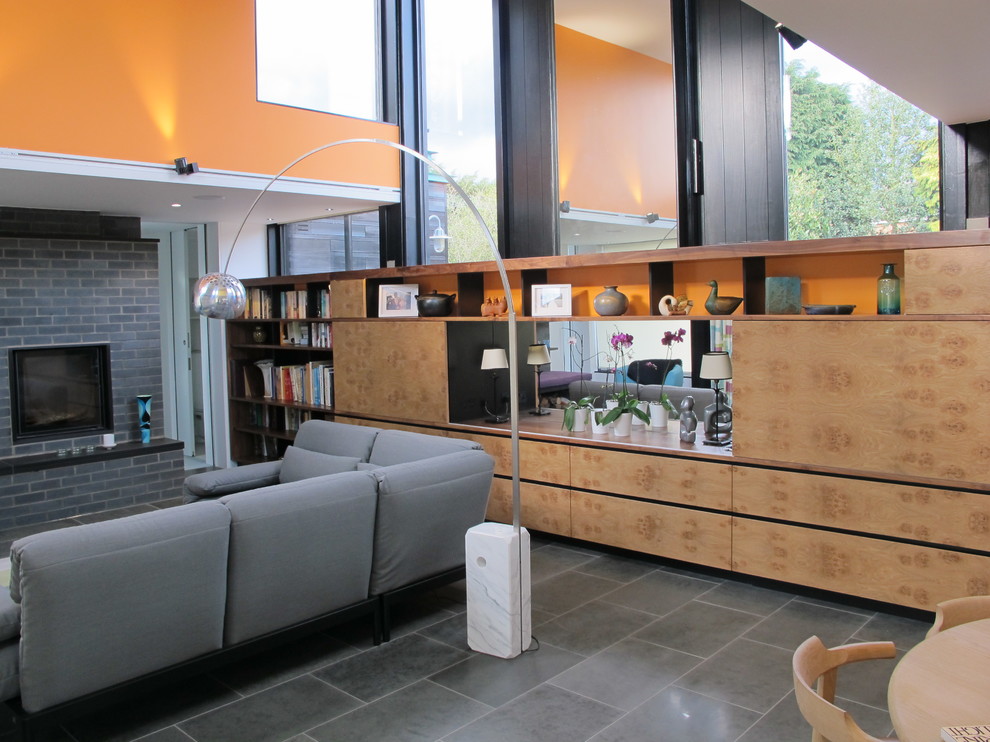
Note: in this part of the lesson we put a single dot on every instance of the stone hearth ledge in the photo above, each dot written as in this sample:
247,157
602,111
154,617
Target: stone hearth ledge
51,460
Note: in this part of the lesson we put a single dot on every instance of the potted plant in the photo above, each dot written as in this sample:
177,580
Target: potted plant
627,405
576,414
669,412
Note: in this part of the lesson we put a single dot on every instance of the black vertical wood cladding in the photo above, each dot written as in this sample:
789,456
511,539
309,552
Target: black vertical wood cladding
965,173
526,117
684,34
741,125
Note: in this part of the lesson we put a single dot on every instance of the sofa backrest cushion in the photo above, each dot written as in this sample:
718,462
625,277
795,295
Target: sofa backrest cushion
297,551
298,463
400,446
424,509
339,439
107,602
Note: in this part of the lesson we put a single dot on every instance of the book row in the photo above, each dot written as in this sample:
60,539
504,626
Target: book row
291,304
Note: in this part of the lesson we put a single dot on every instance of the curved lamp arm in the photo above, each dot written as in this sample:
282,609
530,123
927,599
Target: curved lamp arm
216,294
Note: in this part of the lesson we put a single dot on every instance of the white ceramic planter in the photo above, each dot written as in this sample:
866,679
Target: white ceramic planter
645,407
597,429
623,426
580,420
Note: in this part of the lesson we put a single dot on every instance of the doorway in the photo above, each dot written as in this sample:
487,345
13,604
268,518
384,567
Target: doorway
186,367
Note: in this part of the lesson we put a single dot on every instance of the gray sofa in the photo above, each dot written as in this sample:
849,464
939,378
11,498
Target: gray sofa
98,610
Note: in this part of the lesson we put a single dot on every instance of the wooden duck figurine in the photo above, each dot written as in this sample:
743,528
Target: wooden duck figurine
716,304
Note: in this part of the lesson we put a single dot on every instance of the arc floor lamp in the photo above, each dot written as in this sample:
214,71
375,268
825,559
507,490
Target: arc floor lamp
497,556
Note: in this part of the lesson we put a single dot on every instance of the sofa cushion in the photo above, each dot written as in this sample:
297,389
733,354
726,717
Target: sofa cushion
400,447
424,510
107,602
339,439
298,463
297,551
227,481
10,681
10,616
366,466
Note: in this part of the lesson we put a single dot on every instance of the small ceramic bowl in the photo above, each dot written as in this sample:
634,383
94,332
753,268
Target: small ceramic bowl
828,308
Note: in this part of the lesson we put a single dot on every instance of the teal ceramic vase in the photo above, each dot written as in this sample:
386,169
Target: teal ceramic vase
144,416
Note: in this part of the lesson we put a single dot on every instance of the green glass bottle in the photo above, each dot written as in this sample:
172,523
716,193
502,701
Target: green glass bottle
888,291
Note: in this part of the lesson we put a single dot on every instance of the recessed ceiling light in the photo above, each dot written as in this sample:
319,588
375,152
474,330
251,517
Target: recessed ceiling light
176,206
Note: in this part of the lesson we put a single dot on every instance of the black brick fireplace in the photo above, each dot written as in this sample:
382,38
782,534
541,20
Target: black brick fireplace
79,278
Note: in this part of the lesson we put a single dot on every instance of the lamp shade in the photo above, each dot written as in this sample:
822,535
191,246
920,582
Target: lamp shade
494,358
716,365
538,355
219,296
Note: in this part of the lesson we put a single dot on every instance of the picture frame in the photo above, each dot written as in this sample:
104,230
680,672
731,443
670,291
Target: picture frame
551,300
398,300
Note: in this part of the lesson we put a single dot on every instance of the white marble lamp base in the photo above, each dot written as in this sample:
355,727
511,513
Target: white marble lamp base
499,613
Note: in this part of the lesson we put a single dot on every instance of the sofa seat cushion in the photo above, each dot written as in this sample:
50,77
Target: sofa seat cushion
298,463
339,439
10,616
401,447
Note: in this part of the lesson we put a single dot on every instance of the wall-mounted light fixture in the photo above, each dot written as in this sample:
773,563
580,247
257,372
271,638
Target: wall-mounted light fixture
565,206
795,40
438,236
652,217
183,167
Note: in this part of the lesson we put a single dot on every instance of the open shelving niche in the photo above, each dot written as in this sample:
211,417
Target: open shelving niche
293,313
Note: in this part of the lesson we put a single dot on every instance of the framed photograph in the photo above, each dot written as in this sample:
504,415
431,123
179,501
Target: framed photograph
398,300
552,300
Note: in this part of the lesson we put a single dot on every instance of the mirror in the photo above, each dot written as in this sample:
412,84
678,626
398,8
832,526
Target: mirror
580,353
615,125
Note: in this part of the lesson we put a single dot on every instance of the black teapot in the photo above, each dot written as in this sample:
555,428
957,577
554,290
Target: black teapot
434,304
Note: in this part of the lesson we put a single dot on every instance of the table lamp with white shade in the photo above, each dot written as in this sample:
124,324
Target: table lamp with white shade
717,366
494,359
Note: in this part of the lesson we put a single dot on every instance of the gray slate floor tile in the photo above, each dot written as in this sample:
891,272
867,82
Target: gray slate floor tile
566,591
678,715
422,712
745,597
745,673
546,714
626,674
393,665
272,715
620,569
496,681
699,628
592,627
660,592
790,625
552,560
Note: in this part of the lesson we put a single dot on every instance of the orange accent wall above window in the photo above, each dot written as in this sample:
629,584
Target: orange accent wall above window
153,81
615,127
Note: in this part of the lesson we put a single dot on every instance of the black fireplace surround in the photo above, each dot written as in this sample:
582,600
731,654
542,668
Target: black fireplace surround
60,392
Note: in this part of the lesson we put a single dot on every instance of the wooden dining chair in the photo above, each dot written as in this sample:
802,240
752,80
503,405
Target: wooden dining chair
815,673
957,611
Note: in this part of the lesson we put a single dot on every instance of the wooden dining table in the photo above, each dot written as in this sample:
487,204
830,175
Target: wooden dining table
943,681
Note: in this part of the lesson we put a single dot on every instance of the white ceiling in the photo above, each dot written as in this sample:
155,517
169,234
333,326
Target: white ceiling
934,54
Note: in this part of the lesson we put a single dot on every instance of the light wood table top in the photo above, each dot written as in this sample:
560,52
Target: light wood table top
943,681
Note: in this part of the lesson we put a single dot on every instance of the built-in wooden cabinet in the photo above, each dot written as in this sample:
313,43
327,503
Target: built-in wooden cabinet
861,462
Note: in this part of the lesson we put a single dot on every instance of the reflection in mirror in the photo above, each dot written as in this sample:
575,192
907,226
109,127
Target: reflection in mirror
582,362
615,126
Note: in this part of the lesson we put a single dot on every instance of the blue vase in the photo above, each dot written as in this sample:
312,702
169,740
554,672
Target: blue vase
888,291
144,416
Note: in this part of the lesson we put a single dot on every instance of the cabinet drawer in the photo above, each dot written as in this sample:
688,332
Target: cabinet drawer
686,481
543,508
678,533
915,576
539,461
904,511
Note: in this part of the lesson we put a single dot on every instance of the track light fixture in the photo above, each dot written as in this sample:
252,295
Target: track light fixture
794,39
182,167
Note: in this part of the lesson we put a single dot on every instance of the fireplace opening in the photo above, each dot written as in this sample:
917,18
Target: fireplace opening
60,392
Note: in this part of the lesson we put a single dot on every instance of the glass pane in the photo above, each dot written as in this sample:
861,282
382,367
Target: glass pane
860,160
460,116
336,243
319,54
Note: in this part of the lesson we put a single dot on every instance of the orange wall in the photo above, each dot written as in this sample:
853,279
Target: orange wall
615,127
152,81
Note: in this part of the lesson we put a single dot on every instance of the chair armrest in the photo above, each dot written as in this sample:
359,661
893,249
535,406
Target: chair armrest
229,481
